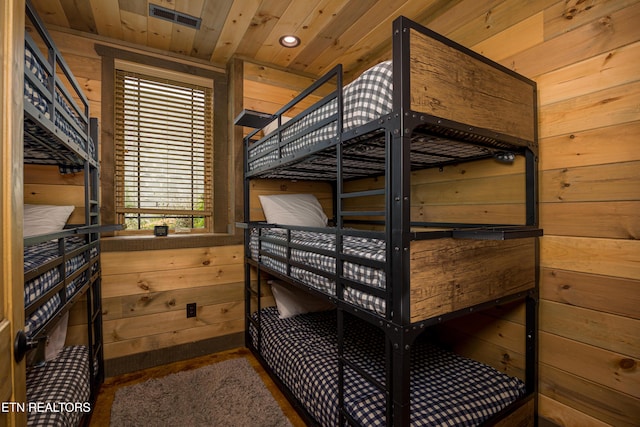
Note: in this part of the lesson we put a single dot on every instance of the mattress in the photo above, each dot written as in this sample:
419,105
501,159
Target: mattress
67,123
317,251
58,391
367,98
446,389
37,256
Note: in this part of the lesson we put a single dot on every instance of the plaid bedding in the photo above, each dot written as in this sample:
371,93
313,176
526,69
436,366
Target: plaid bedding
33,96
41,315
64,379
38,255
446,389
367,248
367,98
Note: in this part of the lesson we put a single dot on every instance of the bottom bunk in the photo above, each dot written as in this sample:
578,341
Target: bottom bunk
446,389
59,391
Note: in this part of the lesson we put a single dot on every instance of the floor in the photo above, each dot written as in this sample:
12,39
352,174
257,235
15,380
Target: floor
102,410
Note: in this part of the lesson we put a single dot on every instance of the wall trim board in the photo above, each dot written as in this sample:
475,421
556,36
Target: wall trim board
149,359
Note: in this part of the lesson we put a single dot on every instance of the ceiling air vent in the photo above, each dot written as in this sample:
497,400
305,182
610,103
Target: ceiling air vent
173,16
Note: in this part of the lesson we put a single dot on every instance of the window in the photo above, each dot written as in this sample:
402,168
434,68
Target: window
163,152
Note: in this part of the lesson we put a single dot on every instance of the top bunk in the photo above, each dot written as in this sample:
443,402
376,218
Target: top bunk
56,111
451,103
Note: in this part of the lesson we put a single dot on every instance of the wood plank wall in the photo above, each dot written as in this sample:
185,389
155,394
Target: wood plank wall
584,56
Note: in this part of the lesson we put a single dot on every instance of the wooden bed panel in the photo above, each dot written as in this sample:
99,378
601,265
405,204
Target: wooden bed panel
502,104
524,416
452,274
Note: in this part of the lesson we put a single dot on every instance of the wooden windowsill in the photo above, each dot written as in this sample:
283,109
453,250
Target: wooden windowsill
172,241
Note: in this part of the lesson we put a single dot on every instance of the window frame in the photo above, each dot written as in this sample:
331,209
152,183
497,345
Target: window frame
151,74
226,169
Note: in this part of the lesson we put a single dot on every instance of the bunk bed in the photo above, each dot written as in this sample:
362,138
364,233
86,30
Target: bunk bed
371,361
61,261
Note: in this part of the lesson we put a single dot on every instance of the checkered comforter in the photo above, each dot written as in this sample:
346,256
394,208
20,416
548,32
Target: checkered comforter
316,242
64,379
446,389
68,124
367,98
38,255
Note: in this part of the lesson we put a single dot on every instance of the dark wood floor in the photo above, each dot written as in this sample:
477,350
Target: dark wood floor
102,411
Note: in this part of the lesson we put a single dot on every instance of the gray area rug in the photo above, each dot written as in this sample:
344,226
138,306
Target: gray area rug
228,393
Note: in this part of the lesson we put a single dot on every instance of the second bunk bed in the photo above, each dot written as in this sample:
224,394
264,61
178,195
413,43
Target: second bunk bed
62,242
390,277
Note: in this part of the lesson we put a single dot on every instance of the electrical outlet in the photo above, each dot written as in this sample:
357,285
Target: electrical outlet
191,309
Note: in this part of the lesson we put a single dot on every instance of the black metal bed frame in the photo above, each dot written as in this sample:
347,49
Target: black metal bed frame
41,132
394,133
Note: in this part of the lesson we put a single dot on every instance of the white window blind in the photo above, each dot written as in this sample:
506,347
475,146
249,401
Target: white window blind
163,156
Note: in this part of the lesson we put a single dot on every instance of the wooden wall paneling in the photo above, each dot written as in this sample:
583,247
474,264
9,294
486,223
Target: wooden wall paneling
493,19
563,17
479,192
45,194
606,219
608,257
564,415
608,294
600,33
158,260
609,182
267,99
607,107
145,295
608,368
173,321
612,68
172,300
156,341
278,78
150,282
586,397
521,36
585,147
604,330
497,343
44,174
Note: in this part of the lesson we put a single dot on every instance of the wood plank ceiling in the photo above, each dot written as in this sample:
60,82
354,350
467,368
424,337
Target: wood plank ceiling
352,32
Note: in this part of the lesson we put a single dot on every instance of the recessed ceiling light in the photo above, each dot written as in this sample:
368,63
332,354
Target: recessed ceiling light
289,41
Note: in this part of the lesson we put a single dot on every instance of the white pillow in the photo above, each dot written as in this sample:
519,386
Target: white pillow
293,209
44,219
57,337
292,301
